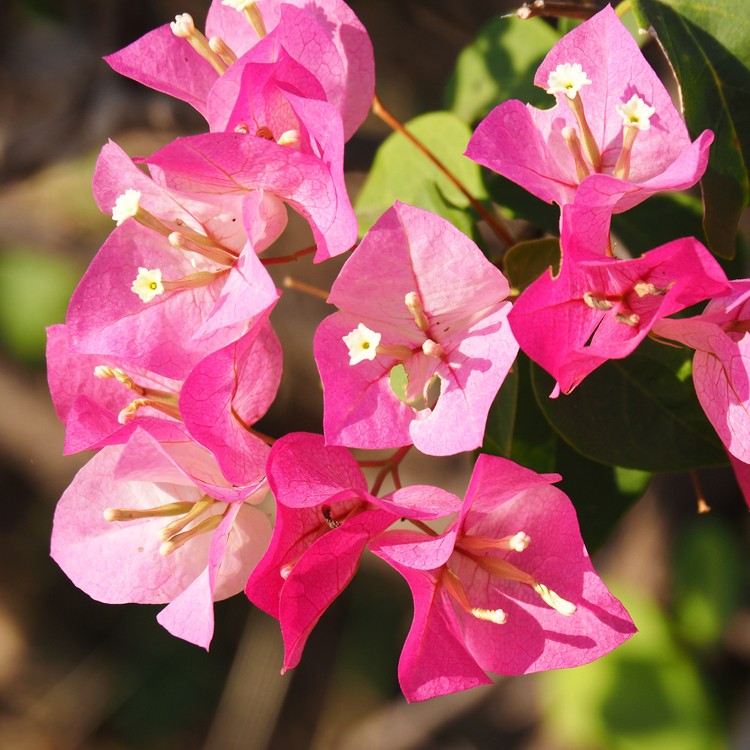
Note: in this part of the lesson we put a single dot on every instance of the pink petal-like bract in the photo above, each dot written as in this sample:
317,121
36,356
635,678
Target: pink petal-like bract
527,146
601,308
459,334
721,365
124,560
512,592
326,38
325,518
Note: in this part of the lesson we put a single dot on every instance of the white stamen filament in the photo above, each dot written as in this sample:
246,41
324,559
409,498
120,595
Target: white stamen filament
289,138
517,542
183,27
194,243
250,9
177,541
132,514
563,606
416,308
574,146
196,510
456,590
629,319
219,47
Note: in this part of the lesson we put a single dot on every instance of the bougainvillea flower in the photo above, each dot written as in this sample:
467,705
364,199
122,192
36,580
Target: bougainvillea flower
325,518
721,365
601,308
439,309
613,138
508,588
325,37
103,400
226,164
210,283
136,526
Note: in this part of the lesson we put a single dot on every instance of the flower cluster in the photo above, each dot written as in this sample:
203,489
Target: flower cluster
168,356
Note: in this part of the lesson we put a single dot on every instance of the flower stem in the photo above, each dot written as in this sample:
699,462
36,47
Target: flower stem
494,222
291,258
301,286
703,506
553,9
390,466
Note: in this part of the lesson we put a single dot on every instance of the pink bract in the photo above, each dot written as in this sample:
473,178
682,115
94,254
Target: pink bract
464,339
460,586
119,561
325,37
601,308
525,144
721,365
325,518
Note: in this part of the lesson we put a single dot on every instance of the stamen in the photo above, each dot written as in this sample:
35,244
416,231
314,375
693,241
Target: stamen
265,132
563,606
184,28
132,514
149,284
103,372
362,343
185,240
196,509
289,138
456,590
208,524
503,569
331,522
517,542
249,8
629,319
622,167
596,303
159,400
590,147
574,146
433,349
415,307
644,288
242,127
223,50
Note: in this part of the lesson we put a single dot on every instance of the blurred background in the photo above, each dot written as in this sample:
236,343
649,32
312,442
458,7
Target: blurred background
78,674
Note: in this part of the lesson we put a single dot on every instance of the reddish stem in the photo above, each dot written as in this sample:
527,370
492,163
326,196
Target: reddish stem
291,258
494,222
390,466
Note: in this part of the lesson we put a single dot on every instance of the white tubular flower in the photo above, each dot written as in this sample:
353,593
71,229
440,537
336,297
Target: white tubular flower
362,343
635,113
126,206
568,79
148,284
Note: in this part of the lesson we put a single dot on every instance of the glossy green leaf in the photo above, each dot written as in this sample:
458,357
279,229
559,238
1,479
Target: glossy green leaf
501,420
527,261
635,412
500,64
521,204
708,45
402,172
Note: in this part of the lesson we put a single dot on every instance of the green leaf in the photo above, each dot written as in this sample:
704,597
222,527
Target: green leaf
636,413
501,419
708,44
402,172
523,205
527,261
500,64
